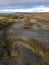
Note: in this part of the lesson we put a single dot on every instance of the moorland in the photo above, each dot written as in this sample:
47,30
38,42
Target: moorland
24,39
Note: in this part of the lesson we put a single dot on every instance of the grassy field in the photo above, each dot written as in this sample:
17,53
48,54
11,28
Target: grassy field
11,26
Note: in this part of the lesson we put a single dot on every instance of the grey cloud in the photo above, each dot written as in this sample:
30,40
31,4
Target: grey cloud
23,3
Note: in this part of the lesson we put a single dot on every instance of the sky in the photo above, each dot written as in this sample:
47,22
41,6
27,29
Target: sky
11,6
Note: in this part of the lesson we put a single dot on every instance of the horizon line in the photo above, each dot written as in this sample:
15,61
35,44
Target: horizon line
38,9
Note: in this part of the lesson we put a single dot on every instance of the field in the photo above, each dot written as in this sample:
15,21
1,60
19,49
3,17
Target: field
24,39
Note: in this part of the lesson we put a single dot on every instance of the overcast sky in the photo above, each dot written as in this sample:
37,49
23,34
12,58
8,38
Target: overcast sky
24,5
